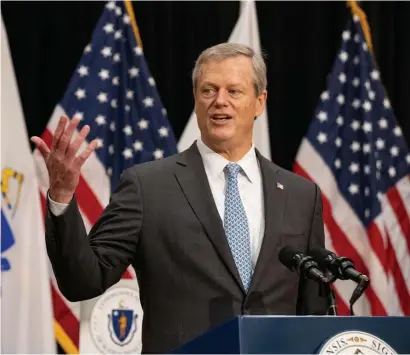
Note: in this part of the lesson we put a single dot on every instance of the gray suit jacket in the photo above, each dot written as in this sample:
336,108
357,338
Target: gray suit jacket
163,220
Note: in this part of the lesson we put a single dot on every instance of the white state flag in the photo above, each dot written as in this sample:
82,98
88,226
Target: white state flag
246,32
26,306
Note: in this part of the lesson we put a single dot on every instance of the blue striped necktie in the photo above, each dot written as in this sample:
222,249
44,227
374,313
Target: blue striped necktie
236,226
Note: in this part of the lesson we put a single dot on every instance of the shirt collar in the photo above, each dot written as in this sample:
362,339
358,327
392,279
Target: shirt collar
215,163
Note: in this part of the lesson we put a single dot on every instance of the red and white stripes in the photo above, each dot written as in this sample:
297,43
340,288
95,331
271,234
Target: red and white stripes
380,251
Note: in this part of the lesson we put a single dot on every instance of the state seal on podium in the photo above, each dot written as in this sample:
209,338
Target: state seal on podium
356,342
114,321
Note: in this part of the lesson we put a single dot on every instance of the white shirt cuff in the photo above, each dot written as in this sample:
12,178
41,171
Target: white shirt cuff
57,208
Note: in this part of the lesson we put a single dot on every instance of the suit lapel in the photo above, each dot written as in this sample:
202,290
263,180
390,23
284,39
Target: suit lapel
274,191
192,178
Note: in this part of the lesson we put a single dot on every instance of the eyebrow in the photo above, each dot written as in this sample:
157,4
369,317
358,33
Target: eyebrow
207,83
213,84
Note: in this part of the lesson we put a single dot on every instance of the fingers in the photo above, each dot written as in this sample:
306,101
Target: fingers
74,146
65,139
41,146
61,142
59,131
80,160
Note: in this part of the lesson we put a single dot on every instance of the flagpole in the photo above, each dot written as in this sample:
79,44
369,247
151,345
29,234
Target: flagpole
356,10
130,10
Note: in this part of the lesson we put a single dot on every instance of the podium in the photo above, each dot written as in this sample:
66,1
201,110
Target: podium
304,335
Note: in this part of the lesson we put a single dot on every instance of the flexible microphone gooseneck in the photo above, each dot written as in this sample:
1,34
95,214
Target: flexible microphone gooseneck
343,269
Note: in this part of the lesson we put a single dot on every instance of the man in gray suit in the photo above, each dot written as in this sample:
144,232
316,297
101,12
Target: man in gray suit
202,228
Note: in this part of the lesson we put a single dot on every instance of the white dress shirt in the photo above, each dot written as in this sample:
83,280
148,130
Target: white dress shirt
250,189
56,208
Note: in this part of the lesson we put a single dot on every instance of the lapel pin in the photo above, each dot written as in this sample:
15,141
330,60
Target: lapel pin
279,185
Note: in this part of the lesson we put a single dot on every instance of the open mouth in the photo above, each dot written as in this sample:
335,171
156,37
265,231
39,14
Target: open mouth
220,117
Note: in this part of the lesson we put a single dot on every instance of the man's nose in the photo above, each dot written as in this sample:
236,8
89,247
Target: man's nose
221,97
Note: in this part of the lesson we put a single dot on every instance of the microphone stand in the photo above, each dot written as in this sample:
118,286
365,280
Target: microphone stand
330,295
332,308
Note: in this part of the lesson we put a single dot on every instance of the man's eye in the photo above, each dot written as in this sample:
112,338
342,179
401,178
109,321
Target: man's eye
207,91
234,91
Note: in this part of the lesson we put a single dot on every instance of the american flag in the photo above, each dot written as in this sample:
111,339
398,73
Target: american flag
113,92
356,153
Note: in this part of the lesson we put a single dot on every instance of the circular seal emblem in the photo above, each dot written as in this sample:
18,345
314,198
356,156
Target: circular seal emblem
115,323
356,342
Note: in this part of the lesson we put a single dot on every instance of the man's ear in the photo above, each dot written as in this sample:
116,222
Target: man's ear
193,94
260,104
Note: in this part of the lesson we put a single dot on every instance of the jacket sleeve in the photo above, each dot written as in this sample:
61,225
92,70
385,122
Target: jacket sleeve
85,266
312,299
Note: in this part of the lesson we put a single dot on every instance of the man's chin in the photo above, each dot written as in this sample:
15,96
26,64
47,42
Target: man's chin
221,134
219,141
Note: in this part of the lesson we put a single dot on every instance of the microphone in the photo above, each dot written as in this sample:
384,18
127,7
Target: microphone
342,267
304,265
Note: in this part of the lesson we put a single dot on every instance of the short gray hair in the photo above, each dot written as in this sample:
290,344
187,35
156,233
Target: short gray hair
223,51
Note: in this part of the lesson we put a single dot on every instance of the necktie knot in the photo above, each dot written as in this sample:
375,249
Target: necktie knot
232,170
